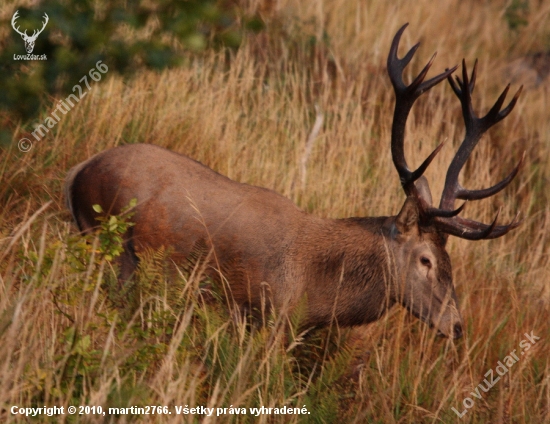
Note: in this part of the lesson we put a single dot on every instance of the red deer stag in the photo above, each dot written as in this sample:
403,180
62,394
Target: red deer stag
350,270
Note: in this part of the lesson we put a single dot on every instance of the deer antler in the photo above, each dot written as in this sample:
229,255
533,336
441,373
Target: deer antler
405,96
475,128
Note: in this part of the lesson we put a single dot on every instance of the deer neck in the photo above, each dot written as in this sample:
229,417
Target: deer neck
339,285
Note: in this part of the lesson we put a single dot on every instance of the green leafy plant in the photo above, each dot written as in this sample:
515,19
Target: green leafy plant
113,228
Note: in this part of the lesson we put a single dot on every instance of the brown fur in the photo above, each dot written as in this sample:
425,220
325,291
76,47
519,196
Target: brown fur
350,270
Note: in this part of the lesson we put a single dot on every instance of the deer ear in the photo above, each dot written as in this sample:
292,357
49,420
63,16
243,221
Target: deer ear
423,189
407,219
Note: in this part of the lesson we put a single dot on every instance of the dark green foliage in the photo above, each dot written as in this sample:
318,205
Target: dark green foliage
125,35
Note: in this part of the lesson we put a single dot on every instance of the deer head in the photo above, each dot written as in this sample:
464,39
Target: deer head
29,40
420,230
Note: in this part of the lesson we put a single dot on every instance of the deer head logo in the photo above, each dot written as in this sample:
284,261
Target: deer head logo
29,40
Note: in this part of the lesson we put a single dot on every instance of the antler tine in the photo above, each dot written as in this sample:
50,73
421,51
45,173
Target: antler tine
405,96
465,194
473,230
470,82
396,65
495,114
431,212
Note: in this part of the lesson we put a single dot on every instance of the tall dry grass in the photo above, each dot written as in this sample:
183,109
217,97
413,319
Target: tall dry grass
67,337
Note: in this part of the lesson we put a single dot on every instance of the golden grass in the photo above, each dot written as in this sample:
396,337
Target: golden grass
64,338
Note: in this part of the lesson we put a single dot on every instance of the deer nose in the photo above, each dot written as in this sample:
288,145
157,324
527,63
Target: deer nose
457,331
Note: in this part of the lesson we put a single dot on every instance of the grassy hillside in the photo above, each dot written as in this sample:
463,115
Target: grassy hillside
70,336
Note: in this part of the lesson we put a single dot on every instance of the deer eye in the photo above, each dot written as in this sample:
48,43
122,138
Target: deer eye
425,261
